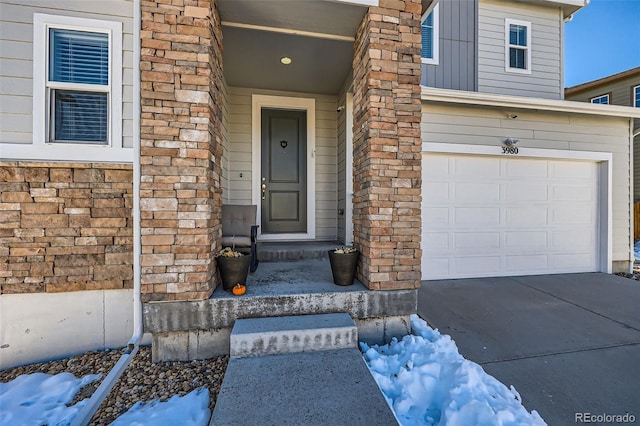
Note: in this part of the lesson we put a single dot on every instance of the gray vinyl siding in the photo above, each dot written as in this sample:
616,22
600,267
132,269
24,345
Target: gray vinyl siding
620,93
341,158
16,55
240,150
224,178
545,80
456,67
574,132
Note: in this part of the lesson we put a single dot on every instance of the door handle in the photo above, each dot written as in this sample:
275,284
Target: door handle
264,190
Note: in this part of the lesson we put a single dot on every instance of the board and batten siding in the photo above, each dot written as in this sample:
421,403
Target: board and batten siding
620,93
16,55
561,131
545,80
456,68
240,149
341,165
224,178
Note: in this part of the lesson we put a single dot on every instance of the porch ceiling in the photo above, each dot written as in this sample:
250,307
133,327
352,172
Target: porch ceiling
316,34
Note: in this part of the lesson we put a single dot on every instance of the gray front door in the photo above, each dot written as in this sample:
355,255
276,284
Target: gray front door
284,171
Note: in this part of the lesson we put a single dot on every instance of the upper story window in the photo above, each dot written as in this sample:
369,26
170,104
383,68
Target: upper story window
636,97
76,82
518,46
430,28
603,99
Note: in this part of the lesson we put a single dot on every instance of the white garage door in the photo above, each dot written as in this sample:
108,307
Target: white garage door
485,216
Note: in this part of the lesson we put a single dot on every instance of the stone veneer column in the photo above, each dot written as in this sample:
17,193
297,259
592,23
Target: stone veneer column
181,148
387,145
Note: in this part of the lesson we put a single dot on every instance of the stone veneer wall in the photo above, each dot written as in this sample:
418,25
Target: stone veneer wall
65,227
387,145
181,148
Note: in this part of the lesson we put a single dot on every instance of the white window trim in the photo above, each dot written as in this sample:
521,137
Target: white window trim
507,25
633,100
606,95
435,8
40,149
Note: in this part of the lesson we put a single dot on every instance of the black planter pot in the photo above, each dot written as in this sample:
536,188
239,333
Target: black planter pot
233,270
343,267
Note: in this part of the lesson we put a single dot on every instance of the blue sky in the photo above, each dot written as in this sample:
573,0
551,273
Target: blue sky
602,39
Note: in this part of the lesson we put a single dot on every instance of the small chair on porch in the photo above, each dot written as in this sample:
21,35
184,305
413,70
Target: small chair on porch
239,230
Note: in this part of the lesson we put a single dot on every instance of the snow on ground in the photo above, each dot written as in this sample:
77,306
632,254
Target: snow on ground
423,377
191,409
427,382
37,399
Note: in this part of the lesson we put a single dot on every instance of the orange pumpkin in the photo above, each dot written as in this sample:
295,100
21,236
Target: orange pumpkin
239,289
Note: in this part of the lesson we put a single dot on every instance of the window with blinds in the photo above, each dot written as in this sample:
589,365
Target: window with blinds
518,46
78,86
602,99
636,96
429,29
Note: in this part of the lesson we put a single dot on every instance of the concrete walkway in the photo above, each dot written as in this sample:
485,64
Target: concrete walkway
332,387
568,343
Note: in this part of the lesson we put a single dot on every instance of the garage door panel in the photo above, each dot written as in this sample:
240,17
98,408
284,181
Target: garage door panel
573,193
529,169
526,216
530,239
476,240
467,166
477,192
539,263
477,216
436,191
508,216
531,192
435,242
435,217
469,266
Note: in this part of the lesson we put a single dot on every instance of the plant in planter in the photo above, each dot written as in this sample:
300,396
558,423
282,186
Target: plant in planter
344,261
233,266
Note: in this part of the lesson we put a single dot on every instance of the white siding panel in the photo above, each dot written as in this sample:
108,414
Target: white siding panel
16,54
240,151
545,78
463,125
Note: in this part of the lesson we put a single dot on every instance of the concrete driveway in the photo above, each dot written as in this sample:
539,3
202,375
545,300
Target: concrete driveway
568,343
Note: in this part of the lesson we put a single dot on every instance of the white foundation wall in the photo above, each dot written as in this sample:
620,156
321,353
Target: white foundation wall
45,326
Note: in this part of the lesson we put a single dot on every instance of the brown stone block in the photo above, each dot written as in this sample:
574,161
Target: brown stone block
10,216
118,176
79,260
41,269
36,174
108,222
22,288
88,175
44,220
157,240
40,208
111,284
15,197
110,213
11,174
67,286
113,272
26,251
118,258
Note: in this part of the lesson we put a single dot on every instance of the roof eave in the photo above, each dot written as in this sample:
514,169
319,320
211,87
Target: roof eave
461,97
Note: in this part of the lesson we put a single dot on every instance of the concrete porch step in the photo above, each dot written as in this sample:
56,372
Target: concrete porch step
291,251
292,334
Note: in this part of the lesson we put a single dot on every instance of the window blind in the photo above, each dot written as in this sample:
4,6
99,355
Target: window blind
79,57
427,37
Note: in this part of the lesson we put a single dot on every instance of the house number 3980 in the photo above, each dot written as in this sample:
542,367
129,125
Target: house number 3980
509,149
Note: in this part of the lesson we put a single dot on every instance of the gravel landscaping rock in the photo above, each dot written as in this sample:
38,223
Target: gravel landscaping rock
142,381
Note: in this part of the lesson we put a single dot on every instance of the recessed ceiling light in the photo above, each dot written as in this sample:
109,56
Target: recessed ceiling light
285,60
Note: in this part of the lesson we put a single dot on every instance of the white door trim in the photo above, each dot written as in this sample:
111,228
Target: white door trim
348,172
258,102
604,159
